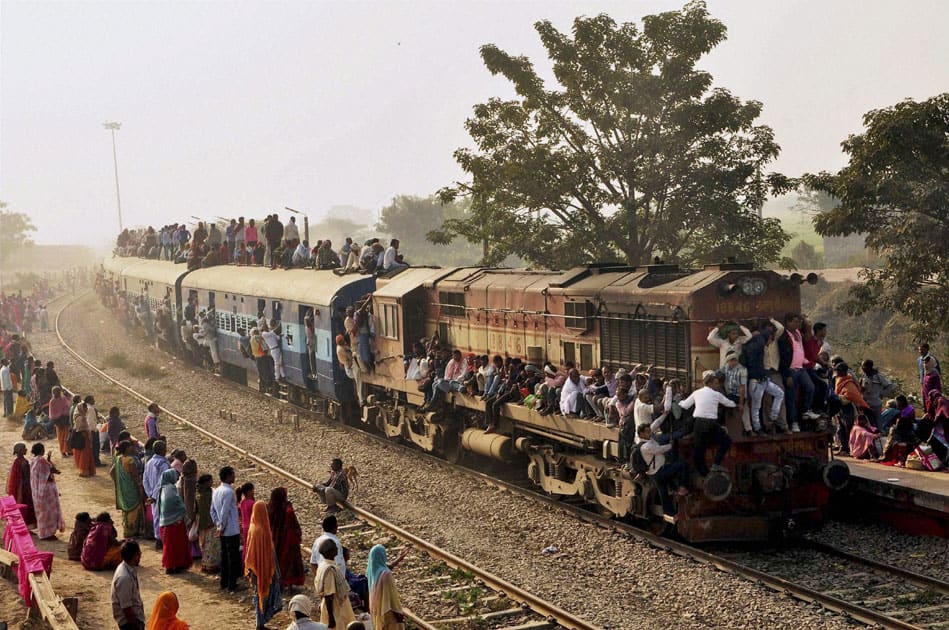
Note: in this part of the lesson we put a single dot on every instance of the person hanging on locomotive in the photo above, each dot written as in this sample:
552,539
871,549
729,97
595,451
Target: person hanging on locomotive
796,379
508,392
754,358
669,474
706,429
261,354
728,337
734,379
452,379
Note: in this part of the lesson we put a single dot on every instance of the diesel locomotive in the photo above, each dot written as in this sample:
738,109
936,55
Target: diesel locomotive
599,314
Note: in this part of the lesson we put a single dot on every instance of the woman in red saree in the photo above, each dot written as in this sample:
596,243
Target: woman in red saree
83,457
287,536
176,550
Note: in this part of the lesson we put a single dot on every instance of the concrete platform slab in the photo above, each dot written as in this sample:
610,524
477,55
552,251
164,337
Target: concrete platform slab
918,500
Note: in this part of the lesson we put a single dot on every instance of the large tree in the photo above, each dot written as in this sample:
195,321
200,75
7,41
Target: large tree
895,190
15,230
632,155
409,218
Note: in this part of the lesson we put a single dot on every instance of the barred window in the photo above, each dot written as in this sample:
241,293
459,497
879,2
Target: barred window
452,304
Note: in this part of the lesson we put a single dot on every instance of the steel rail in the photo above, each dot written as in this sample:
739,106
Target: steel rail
548,610
775,583
923,581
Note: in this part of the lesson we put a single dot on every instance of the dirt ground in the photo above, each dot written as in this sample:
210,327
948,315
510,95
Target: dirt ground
203,605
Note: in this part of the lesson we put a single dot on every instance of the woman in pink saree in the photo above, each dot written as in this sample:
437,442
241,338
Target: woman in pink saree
49,515
862,437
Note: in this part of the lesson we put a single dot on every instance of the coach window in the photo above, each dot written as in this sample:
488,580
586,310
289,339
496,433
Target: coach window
277,310
390,321
210,299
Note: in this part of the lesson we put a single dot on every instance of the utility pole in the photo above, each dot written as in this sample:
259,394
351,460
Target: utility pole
113,126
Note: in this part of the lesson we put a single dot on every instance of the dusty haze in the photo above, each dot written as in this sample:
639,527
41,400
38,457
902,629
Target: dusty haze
243,108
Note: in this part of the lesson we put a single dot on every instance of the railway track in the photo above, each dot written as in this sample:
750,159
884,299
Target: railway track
482,599
926,607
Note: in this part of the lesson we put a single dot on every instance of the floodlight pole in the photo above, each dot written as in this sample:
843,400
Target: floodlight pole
113,126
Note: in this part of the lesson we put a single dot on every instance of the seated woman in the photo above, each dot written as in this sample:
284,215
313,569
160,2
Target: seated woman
901,441
862,438
101,550
77,539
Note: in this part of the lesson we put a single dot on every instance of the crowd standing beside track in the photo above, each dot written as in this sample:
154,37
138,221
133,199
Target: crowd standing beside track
163,496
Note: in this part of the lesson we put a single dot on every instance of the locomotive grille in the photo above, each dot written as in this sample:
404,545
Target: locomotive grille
630,339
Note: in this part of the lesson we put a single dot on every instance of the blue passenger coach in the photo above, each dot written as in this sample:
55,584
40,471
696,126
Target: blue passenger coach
240,294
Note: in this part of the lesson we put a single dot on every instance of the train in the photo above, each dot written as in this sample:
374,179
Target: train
590,316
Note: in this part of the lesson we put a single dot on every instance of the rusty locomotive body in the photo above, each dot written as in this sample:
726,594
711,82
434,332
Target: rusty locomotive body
591,316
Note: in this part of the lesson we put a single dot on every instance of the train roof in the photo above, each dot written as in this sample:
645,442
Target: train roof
116,264
410,279
161,271
293,285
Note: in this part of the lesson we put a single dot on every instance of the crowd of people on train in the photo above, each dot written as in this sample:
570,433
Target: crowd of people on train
777,378
271,243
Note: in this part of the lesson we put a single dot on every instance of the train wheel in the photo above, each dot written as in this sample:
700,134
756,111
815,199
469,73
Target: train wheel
452,450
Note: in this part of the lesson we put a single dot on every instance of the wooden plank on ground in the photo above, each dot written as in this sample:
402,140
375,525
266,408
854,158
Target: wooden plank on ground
49,606
7,558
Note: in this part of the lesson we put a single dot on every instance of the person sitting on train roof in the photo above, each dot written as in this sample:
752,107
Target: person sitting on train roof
706,429
494,374
326,258
727,338
508,391
550,391
301,255
668,475
369,261
598,391
351,262
392,260
452,379
572,401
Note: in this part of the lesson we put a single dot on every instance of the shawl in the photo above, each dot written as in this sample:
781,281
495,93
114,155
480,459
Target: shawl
189,480
165,614
376,564
384,598
259,551
127,496
342,586
171,508
100,538
203,505
277,511
18,483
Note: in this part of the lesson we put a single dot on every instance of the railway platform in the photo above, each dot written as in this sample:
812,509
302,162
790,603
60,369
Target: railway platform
913,501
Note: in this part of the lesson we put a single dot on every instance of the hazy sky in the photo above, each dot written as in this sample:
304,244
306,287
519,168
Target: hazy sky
245,107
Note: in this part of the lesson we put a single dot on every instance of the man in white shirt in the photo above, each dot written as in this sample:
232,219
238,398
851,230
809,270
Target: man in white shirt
291,233
706,429
390,260
728,339
228,522
667,475
276,351
6,385
127,608
330,531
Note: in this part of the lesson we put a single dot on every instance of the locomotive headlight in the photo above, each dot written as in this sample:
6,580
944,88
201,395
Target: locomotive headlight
753,286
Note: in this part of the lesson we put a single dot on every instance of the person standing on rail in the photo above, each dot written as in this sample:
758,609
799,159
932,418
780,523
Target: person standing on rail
228,522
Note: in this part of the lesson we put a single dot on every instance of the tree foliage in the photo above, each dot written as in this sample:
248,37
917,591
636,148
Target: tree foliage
15,230
895,189
633,154
410,219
